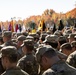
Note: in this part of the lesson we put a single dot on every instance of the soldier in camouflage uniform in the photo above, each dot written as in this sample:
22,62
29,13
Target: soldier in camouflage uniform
28,62
9,57
20,40
71,60
72,57
50,62
7,35
71,37
52,40
66,48
7,38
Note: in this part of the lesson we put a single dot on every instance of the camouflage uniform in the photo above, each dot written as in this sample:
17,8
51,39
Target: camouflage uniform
6,34
72,59
54,39
10,52
28,63
14,71
60,68
20,38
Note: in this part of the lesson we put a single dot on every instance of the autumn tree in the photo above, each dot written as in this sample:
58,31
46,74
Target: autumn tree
31,25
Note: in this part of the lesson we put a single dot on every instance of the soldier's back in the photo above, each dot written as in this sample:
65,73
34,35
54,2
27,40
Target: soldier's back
60,68
29,64
71,60
14,71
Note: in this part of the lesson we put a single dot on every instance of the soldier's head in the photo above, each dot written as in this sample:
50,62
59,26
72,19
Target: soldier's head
73,44
20,40
29,37
42,37
61,40
27,46
51,40
66,34
46,56
35,36
6,36
66,48
58,33
13,35
71,37
9,56
73,30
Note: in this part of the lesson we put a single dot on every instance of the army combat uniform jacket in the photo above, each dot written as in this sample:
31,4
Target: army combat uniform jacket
14,71
29,64
60,68
71,60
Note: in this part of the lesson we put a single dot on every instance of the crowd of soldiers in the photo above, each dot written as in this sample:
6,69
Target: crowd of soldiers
40,53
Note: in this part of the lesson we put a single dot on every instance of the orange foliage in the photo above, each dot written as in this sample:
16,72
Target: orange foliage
49,14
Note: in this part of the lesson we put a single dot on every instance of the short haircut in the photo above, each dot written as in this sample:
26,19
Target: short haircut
29,44
62,42
11,53
13,58
66,46
50,53
53,44
29,48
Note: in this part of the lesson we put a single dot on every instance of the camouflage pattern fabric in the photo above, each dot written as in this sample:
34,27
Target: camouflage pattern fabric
29,64
60,68
71,60
14,71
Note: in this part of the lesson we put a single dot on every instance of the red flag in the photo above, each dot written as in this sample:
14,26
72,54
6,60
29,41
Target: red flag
16,27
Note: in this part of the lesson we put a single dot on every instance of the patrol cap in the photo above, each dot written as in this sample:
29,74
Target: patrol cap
4,30
8,51
58,33
21,38
25,33
66,46
7,34
30,37
72,35
28,42
34,35
61,38
67,32
51,38
41,50
73,44
18,34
